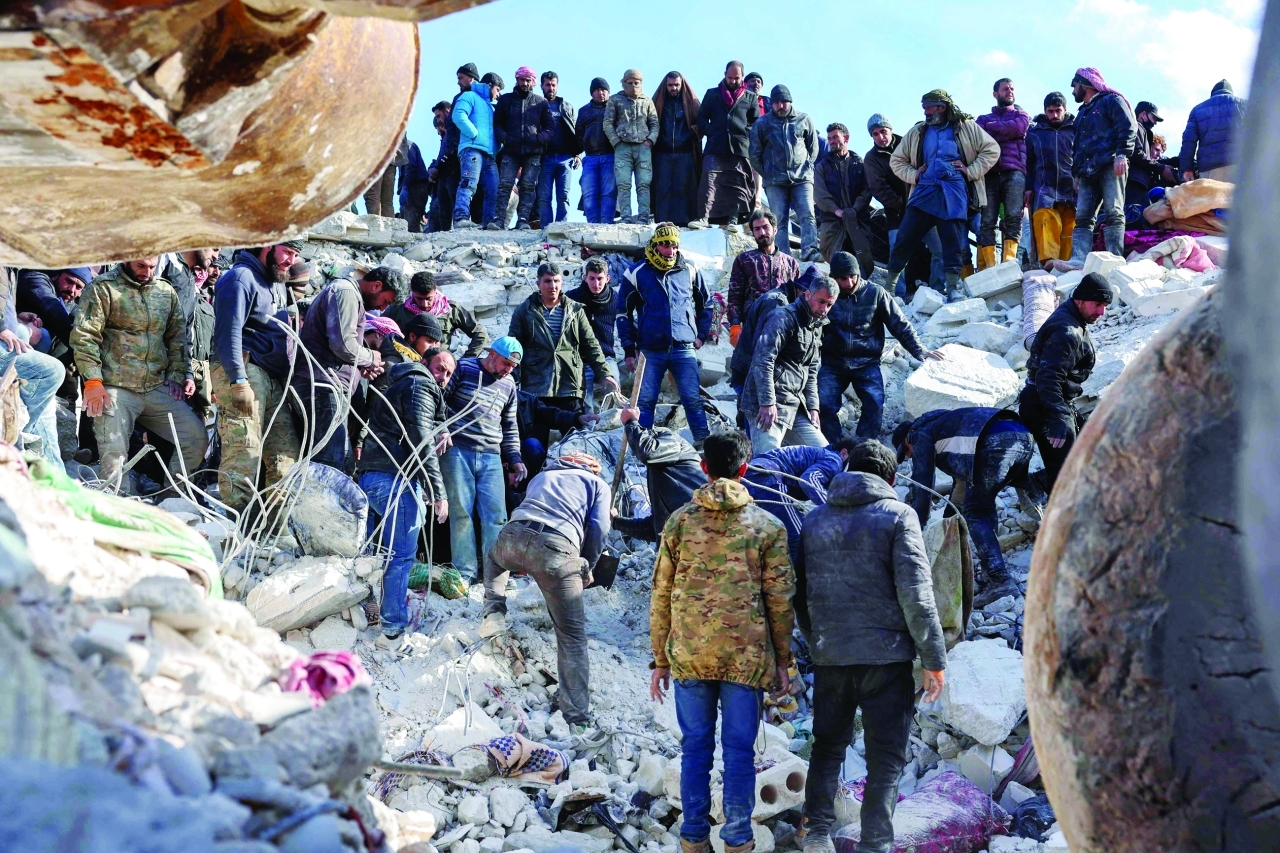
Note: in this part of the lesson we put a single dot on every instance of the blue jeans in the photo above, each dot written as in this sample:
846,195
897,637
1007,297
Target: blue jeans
400,506
798,199
913,228
868,384
683,364
473,483
1101,192
478,169
740,709
555,174
42,375
1001,461
599,188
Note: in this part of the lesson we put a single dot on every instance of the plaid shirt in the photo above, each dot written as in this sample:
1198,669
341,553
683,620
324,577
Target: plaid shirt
754,273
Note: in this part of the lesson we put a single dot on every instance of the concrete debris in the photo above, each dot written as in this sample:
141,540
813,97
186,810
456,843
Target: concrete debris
927,301
1132,281
948,319
984,695
963,377
1001,279
304,593
990,337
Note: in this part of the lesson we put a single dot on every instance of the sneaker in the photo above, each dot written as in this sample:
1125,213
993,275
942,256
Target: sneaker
644,220
492,625
392,642
461,224
818,844
493,226
698,225
523,226
733,226
996,591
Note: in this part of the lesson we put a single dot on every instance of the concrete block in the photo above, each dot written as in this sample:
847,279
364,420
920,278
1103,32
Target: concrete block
505,803
1102,263
333,634
996,280
1178,279
1135,280
927,300
303,594
984,695
478,296
649,774
779,788
1067,282
1017,356
987,336
1167,302
965,377
473,808
1015,794
948,319
671,783
1013,844
985,766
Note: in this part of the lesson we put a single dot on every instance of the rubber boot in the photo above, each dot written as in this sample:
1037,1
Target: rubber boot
1010,251
1113,236
956,288
966,270
986,257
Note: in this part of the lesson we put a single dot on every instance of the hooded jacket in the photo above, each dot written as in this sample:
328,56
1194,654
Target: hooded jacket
333,334
553,367
515,123
1104,130
867,580
854,335
673,471
727,128
473,116
1062,357
659,309
1049,151
722,586
248,310
37,294
1008,126
628,120
784,149
886,187
1212,128
402,428
784,371
571,500
130,334
977,149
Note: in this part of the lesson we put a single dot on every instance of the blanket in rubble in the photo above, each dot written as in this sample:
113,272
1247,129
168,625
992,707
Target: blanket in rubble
516,755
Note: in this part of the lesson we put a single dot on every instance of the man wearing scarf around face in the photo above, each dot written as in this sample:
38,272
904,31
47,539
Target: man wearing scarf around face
728,185
1105,136
942,160
677,155
664,311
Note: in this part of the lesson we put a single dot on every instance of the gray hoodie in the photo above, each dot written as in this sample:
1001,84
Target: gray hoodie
572,501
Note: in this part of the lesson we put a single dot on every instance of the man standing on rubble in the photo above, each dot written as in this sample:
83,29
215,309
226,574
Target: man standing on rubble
472,117
943,161
754,319
1210,140
1051,194
673,472
842,196
781,394
1062,358
631,123
852,344
720,623
664,311
1105,137
515,132
557,131
869,613
250,372
677,155
426,298
727,188
757,271
1007,123
555,536
131,348
482,400
597,296
187,272
400,474
597,184
783,149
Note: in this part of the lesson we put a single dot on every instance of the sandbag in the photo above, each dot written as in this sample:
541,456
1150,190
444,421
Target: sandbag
947,814
946,542
1039,300
328,512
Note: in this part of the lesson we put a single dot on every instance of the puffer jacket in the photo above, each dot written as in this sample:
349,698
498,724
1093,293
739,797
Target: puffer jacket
867,579
1212,129
1104,130
722,587
553,368
473,116
402,428
590,129
130,335
516,123
784,371
1008,126
659,309
1062,357
948,439
673,472
727,129
783,150
1049,162
978,150
854,335
627,120
886,187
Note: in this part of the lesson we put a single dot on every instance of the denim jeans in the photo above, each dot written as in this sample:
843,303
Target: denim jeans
740,709
1001,461
320,401
1101,193
1003,188
512,168
681,361
798,199
42,374
555,176
473,483
400,507
885,692
868,384
801,431
915,225
599,188
478,170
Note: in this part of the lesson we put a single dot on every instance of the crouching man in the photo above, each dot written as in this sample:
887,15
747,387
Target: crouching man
720,621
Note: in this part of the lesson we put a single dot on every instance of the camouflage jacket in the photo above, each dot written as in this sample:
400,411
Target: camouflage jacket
130,335
722,587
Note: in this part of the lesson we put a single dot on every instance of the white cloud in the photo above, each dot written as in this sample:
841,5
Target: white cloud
997,59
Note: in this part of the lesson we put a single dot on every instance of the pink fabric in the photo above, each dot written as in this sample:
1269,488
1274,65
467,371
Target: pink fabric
324,675
1141,239
381,325
439,305
1181,251
526,71
947,814
1094,76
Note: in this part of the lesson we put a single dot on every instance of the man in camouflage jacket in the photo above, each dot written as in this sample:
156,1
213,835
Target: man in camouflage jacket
720,620
130,344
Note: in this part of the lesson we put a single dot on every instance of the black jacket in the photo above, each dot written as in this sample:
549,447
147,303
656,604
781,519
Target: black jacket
557,128
784,371
854,334
1104,130
948,439
590,129
516,123
37,294
413,398
1062,357
674,471
832,191
727,129
531,412
458,318
674,134
601,311
867,580
886,187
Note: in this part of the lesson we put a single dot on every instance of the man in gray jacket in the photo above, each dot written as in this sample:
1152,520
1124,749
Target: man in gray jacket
784,148
868,611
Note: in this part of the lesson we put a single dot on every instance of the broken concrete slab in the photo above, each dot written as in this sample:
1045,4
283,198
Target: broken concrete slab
1167,302
1106,371
304,593
948,319
649,773
996,280
333,744
1102,263
504,804
176,602
964,377
926,301
987,336
334,634
363,230
1132,281
477,296
1067,282
984,696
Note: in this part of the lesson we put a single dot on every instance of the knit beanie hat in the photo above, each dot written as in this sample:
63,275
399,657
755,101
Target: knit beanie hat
878,120
780,93
843,264
600,83
1093,288
83,273
426,325
470,70
666,233
1054,99
1223,86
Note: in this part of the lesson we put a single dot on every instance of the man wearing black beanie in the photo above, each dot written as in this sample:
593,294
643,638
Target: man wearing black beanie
598,185
1062,357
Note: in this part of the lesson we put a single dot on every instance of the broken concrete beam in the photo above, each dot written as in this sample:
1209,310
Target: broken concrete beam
996,280
303,594
363,230
1135,280
477,296
984,695
965,377
602,238
948,319
927,301
1102,263
985,766
988,337
1167,302
334,744
779,788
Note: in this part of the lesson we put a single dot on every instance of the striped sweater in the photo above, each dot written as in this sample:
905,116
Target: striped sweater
489,403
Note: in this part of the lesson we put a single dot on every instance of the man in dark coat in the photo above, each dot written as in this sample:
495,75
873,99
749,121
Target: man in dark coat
557,131
842,198
673,469
1051,193
677,155
1105,137
1208,142
891,191
516,122
727,189
598,184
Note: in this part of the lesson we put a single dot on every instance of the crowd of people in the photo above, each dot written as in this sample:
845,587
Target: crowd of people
371,376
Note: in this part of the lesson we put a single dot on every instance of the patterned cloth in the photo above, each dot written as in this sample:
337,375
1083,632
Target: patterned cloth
515,755
947,814
756,272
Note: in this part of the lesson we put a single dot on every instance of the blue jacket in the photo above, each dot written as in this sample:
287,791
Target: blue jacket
571,500
245,308
1049,162
1211,129
1105,127
657,310
815,466
854,336
947,439
473,114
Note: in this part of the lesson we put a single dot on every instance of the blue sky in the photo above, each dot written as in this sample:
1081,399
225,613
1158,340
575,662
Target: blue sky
845,60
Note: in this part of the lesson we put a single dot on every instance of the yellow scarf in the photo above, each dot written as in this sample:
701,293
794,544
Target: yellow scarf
668,234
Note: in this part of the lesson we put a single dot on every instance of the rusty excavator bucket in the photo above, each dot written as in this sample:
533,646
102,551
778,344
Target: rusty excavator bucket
134,127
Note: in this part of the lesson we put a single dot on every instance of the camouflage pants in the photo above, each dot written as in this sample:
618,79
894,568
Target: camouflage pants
249,456
629,157
128,409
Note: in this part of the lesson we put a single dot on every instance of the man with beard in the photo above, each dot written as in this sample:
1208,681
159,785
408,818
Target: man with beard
1052,194
842,196
557,131
677,155
727,187
51,295
631,123
784,147
598,185
250,371
515,132
189,273
757,271
1104,143
1007,124
942,160
333,357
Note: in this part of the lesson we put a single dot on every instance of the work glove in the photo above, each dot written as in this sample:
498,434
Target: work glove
96,398
735,332
242,399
